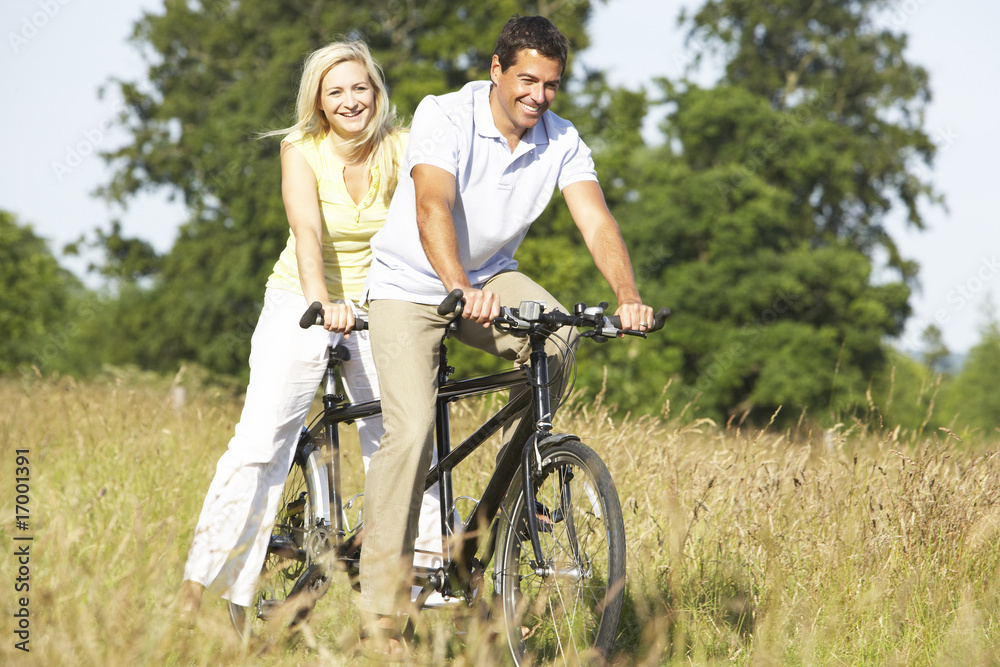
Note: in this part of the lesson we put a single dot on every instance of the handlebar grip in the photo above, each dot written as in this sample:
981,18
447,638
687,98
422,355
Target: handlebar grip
452,304
658,320
314,316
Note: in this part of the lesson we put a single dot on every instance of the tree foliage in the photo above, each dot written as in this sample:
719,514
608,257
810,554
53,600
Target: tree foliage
973,396
935,350
762,214
218,73
38,292
758,219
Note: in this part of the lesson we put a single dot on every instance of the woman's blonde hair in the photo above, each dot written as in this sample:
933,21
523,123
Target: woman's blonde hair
373,145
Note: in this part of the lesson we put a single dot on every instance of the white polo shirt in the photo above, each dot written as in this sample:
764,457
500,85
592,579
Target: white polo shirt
498,193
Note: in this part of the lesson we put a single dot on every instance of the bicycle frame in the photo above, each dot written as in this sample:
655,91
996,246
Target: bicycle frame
559,543
515,456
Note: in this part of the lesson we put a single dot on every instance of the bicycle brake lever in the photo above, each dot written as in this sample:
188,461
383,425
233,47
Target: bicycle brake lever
609,331
510,320
598,335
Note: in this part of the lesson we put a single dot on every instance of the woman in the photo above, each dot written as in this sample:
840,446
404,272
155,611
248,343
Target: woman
339,167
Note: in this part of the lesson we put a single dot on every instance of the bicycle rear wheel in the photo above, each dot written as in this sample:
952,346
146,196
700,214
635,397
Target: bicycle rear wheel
299,536
568,607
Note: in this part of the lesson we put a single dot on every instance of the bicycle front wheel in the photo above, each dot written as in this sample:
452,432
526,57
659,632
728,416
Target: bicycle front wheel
567,607
300,534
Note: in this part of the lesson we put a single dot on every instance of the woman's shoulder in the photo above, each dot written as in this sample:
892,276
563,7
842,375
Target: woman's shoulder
303,140
399,140
403,137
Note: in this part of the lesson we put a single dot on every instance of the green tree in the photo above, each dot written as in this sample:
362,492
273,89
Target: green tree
36,314
125,260
935,351
219,72
907,393
763,211
973,397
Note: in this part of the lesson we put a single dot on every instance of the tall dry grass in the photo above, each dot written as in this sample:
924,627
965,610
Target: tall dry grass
846,546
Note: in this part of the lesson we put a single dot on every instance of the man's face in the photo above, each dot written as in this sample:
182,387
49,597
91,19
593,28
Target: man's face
524,92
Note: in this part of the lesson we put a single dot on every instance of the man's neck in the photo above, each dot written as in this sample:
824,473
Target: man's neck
507,130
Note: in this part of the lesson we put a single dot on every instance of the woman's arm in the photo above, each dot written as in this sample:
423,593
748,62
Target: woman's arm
301,198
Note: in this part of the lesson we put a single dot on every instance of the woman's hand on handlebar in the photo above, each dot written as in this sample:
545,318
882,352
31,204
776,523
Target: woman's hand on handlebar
338,317
635,316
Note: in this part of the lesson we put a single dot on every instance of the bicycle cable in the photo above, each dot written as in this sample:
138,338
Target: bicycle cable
568,361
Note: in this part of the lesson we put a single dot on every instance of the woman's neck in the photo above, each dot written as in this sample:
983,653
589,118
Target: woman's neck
338,146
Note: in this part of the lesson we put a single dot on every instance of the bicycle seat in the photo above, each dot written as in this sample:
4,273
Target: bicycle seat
340,353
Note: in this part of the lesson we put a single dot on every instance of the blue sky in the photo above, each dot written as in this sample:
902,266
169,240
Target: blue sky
56,55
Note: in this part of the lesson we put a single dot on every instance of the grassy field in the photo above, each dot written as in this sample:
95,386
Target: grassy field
847,546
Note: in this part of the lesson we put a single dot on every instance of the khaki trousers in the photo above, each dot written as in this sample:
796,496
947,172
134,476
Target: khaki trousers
405,341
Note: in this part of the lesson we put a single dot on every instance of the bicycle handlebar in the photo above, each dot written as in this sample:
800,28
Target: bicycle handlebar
659,319
609,326
512,318
314,315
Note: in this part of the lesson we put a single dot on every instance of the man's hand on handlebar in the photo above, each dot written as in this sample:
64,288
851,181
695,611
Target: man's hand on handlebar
481,306
635,316
641,319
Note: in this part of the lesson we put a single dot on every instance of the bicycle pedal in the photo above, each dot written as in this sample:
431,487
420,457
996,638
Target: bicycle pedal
267,608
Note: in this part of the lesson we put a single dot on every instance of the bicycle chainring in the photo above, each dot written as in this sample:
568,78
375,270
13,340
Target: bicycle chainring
317,543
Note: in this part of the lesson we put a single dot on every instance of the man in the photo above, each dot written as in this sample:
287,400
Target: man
482,165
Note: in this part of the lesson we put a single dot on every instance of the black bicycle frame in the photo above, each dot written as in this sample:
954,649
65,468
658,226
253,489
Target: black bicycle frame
519,453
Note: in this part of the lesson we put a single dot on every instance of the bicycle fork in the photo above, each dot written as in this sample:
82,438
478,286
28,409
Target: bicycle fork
531,458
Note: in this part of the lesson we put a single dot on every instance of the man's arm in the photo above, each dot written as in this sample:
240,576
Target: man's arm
435,199
586,204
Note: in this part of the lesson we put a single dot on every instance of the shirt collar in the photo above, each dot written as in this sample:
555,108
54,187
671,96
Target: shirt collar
481,113
485,127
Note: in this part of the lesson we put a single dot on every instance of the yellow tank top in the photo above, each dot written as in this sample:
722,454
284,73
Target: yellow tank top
347,227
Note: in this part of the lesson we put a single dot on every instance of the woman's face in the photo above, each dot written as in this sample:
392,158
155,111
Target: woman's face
346,98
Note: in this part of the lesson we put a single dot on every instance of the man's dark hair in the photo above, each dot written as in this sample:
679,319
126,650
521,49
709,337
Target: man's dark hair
531,32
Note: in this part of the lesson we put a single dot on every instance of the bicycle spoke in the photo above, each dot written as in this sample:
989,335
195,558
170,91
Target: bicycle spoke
288,566
570,606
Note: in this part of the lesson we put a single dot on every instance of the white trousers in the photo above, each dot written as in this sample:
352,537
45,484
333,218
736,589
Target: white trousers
287,364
